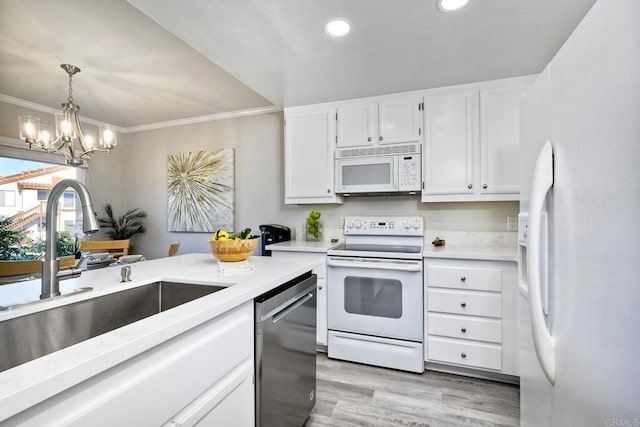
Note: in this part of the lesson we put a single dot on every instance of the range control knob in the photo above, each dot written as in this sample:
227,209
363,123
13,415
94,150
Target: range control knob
359,224
349,224
406,225
416,225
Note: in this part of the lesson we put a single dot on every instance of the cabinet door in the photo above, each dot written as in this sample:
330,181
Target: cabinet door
500,140
321,320
229,403
399,120
357,125
309,143
450,129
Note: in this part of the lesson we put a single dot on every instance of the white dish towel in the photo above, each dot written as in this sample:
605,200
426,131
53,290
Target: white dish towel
236,267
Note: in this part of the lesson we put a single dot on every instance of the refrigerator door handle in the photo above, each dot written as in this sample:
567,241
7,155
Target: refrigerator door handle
541,184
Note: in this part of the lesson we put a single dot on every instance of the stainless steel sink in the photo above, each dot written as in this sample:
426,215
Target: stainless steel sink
26,338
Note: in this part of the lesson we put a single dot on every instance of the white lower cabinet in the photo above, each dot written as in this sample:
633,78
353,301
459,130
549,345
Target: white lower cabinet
321,272
201,377
471,317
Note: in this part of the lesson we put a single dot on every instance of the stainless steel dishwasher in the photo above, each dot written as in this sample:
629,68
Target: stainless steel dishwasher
285,349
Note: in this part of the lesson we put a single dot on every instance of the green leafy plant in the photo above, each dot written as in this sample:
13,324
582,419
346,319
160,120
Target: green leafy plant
10,241
125,226
15,246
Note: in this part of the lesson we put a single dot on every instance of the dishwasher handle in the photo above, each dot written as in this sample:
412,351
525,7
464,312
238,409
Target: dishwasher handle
287,307
284,313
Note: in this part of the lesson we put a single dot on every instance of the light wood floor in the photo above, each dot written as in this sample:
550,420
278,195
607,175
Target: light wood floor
350,394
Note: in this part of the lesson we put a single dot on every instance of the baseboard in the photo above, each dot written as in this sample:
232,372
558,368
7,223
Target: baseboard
474,373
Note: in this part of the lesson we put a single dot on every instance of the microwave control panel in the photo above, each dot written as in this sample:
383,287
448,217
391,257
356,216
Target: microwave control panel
409,178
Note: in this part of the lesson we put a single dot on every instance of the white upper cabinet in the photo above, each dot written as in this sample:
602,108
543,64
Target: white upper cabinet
449,138
309,143
357,124
500,139
385,120
469,135
399,119
471,149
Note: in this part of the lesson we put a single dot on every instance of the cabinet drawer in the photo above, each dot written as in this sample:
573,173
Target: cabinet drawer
464,302
478,279
466,353
465,327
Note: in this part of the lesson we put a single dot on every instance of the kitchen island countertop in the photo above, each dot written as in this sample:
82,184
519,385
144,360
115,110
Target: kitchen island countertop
30,383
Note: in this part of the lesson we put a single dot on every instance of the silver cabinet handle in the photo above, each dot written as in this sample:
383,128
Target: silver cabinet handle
470,186
463,304
463,355
328,190
463,330
463,278
484,185
380,138
369,139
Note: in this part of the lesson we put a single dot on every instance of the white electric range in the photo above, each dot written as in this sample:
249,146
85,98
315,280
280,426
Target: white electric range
375,297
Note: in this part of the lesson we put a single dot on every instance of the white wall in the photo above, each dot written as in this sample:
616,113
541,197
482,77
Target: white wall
135,175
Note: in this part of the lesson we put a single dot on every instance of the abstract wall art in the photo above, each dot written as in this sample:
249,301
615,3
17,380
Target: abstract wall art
201,190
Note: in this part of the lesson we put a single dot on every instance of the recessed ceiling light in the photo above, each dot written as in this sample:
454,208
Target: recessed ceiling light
337,27
451,5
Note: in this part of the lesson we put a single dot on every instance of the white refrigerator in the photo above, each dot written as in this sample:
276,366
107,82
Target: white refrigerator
580,253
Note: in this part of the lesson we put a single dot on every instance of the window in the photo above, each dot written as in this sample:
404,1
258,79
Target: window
34,179
7,198
69,200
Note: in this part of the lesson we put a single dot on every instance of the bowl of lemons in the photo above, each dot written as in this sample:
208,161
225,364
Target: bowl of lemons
231,247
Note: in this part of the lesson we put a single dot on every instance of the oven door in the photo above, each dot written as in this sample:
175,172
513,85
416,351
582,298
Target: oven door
373,296
367,174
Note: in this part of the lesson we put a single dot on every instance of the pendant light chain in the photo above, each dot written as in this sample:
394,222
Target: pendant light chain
70,88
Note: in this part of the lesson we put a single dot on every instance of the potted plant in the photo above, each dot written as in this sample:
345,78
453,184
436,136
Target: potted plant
123,227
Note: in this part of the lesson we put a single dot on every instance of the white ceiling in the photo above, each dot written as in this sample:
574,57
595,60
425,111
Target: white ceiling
134,72
229,55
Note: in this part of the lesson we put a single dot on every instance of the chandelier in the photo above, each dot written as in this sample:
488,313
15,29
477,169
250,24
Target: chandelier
70,140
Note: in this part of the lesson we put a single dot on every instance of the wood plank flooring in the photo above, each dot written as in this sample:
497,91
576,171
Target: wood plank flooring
350,394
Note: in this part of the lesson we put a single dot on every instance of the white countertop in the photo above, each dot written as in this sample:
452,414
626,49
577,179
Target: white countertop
32,382
303,246
476,252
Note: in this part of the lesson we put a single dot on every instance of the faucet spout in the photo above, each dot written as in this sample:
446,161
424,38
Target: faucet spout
51,274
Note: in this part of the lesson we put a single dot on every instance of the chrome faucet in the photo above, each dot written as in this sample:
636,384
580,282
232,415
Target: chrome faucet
51,273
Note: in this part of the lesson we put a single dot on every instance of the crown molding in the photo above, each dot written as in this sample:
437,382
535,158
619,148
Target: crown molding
151,126
204,119
44,109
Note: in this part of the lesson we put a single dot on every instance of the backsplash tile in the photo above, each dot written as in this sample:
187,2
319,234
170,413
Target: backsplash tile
478,238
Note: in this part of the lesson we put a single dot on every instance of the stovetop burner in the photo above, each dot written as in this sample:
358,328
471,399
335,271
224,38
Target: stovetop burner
387,237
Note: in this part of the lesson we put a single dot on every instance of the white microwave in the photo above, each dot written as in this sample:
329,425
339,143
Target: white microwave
383,169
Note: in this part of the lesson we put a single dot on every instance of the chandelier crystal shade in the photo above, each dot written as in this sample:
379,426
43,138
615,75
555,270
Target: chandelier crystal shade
69,139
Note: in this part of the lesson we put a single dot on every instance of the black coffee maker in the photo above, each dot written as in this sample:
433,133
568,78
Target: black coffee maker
273,233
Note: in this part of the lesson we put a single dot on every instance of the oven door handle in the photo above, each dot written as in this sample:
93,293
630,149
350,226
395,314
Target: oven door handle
398,265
